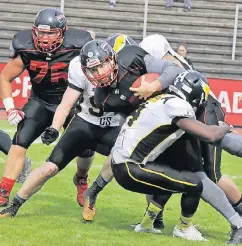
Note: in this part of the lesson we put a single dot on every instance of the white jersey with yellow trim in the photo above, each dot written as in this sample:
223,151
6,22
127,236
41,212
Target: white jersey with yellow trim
150,130
77,80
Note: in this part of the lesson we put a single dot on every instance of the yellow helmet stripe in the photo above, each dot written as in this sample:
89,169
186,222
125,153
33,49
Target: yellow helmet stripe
119,43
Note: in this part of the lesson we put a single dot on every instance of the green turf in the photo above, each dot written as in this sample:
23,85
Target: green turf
52,216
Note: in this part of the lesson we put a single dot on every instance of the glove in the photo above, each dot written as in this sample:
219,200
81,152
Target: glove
14,116
49,135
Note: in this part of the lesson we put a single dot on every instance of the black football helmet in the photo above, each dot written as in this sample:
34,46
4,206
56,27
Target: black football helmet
99,63
118,40
48,29
193,87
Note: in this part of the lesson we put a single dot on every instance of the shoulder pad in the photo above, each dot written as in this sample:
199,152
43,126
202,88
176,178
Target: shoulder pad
75,38
22,40
177,107
131,54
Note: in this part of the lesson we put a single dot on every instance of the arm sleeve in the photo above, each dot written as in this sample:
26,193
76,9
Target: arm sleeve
76,78
167,70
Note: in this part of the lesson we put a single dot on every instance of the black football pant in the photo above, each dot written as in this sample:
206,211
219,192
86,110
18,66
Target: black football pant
37,118
81,135
160,180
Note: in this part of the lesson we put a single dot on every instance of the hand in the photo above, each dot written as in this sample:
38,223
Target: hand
221,123
49,135
14,116
146,89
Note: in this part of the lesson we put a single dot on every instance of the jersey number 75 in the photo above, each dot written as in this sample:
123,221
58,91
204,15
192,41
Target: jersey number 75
56,71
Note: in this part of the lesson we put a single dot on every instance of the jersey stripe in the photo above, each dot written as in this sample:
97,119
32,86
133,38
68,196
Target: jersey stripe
162,136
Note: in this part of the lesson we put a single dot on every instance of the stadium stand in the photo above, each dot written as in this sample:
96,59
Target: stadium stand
208,29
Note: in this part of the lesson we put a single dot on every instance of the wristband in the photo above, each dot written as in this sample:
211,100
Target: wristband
8,103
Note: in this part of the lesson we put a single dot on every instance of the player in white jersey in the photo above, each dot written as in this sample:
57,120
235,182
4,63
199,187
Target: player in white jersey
89,129
148,133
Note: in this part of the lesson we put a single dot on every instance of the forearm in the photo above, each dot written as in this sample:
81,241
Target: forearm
5,88
60,116
6,94
167,70
218,132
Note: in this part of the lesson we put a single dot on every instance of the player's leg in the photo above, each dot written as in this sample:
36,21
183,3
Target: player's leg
80,179
5,145
5,142
212,157
36,119
104,147
66,149
187,157
154,179
83,161
215,196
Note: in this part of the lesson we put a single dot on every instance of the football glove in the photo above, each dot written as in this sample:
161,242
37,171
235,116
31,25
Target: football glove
49,135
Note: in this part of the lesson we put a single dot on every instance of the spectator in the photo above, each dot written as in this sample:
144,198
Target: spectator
182,51
187,4
112,3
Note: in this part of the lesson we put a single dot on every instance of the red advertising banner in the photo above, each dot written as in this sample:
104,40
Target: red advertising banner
227,92
21,89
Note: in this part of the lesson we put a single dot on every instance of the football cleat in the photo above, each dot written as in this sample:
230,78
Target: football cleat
25,172
81,186
89,207
140,228
235,236
10,211
4,197
190,233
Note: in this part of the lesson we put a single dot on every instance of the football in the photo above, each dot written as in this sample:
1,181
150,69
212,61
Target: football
148,77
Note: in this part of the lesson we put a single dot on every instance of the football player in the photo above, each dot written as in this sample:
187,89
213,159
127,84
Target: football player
114,76
158,46
147,133
136,63
45,51
91,129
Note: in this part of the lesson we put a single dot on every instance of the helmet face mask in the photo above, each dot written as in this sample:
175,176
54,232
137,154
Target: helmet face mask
193,87
98,63
48,30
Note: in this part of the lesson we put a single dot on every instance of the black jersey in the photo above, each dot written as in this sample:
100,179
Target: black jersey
120,99
48,71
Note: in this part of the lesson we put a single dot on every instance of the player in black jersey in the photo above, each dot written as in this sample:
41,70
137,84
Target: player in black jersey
121,70
45,51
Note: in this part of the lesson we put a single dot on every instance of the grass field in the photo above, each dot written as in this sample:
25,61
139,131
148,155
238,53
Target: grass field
52,216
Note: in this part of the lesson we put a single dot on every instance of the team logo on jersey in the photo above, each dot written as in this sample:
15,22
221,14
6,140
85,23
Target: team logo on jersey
122,97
